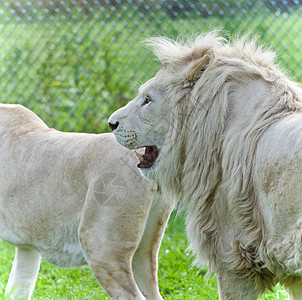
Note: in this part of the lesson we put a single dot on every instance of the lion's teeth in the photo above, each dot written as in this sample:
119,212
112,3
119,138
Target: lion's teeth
139,156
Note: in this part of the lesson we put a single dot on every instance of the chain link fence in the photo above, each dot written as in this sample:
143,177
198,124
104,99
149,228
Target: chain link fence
75,61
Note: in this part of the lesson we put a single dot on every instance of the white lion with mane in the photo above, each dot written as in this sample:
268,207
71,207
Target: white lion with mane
222,127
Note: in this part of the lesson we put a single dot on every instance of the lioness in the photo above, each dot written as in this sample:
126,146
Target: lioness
74,198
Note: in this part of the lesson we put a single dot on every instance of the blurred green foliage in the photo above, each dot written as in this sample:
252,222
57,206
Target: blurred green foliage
75,67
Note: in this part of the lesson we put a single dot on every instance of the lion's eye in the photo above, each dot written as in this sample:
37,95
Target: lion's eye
147,100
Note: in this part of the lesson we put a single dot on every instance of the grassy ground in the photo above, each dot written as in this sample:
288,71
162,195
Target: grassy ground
177,279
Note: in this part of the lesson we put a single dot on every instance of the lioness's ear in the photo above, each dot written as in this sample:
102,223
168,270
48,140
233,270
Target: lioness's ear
196,71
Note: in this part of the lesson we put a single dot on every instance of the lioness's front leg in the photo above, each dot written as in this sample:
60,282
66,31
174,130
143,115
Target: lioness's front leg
145,259
109,237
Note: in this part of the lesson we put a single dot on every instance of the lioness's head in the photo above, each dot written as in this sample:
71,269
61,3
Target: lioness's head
154,119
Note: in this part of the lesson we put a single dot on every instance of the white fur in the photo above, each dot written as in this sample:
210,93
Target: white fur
230,151
58,200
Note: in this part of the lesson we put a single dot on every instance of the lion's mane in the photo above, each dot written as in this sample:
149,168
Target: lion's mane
206,156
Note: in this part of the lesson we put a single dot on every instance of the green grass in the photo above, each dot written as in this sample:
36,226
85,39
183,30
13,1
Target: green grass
177,279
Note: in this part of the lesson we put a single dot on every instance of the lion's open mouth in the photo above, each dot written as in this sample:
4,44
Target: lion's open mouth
146,160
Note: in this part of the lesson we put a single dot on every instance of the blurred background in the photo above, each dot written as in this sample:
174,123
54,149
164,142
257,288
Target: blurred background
74,62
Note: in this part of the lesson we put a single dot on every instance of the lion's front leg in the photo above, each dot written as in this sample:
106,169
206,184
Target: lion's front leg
231,286
294,288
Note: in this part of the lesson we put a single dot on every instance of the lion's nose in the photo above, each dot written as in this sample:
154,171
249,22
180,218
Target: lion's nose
113,126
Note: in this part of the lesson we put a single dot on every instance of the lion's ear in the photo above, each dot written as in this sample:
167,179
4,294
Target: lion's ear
196,71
